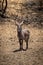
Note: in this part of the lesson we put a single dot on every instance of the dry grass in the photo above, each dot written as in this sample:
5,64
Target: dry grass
9,42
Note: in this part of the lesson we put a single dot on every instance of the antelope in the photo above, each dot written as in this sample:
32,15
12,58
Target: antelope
22,34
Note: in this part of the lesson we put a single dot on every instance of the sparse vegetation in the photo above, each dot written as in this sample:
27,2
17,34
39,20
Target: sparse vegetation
33,21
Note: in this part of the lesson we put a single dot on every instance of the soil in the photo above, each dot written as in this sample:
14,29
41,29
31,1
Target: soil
9,42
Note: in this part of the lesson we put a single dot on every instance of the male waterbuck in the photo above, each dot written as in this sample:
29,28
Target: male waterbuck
23,34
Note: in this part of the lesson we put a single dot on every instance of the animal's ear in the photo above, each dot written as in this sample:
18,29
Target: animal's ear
21,23
16,23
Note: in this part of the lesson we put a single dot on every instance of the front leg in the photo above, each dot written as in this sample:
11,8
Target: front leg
21,44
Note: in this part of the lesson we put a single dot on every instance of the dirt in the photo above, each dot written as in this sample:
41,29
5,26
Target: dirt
9,41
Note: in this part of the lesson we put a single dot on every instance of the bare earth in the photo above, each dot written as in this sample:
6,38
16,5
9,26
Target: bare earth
9,43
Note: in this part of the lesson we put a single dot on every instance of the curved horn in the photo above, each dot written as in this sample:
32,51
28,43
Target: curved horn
22,23
16,23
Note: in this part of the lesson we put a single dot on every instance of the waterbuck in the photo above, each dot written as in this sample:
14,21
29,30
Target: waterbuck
23,34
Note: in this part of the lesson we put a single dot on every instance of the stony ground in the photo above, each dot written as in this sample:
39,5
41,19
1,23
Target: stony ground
9,43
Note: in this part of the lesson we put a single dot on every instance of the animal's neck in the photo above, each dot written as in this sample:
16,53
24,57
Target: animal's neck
19,32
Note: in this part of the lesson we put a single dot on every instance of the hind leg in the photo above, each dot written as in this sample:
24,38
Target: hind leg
26,44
